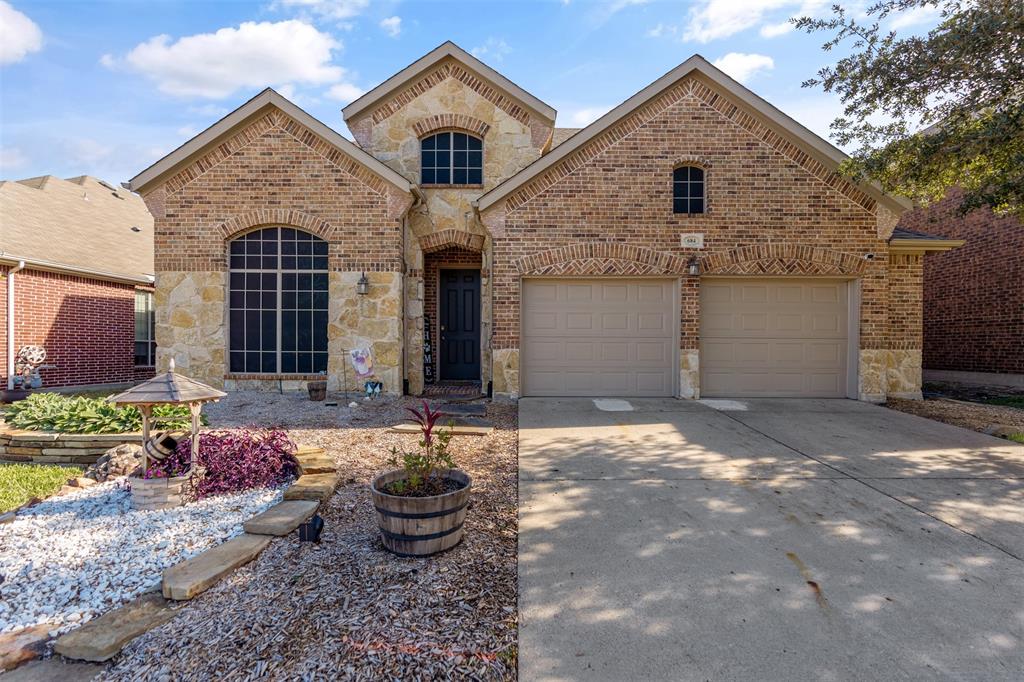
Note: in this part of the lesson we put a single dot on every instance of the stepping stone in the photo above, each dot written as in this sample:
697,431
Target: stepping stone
22,645
7,517
200,573
282,518
463,427
315,461
55,668
317,487
100,639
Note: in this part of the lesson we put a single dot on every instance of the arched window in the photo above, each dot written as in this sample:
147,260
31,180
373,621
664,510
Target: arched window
688,190
277,302
451,158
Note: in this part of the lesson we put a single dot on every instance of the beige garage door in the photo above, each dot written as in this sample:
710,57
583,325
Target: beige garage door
773,338
598,337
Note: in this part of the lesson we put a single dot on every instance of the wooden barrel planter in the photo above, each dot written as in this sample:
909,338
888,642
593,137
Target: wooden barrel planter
420,526
317,390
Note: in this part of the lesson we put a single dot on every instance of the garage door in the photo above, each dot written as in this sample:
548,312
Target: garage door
600,337
773,338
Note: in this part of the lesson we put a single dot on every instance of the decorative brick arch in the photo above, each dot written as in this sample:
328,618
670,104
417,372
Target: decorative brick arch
447,238
782,259
445,121
277,216
601,259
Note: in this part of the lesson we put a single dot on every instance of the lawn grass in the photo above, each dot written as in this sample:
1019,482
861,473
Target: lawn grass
19,483
1007,401
1019,437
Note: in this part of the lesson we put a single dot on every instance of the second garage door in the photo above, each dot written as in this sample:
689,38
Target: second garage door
774,338
599,337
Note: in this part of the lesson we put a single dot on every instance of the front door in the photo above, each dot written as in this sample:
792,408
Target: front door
460,325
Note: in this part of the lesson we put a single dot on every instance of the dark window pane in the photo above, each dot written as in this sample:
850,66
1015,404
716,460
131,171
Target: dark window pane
444,159
237,362
459,141
269,234
305,248
320,362
320,281
427,177
429,142
696,190
237,262
252,362
444,141
475,160
288,248
320,300
269,280
287,300
252,330
237,325
287,262
427,160
696,174
319,262
475,177
304,330
303,236
304,301
269,248
269,301
320,330
269,362
696,205
252,299
270,262
320,248
305,363
288,362
252,247
442,176
237,247
459,159
287,233
237,299
269,330
253,262
304,281
475,143
287,330
459,176
288,281
681,174
679,205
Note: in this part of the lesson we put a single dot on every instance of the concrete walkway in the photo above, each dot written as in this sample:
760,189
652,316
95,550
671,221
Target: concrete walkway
766,540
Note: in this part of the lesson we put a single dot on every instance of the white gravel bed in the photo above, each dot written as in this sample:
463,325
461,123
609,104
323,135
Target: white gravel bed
71,558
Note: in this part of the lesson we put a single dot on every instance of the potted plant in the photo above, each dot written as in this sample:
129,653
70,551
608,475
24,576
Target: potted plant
422,505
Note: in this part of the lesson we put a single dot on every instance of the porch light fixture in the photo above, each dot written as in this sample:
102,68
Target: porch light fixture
363,287
693,267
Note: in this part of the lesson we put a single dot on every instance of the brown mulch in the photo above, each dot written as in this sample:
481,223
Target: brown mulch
347,608
974,416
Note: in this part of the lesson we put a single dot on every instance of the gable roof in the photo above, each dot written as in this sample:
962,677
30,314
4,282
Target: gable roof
269,97
80,225
817,147
448,49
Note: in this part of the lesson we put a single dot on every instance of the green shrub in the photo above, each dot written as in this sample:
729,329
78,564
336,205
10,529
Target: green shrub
57,412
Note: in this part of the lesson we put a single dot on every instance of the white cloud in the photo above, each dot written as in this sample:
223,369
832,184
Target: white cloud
19,35
11,158
212,110
662,30
742,66
776,30
215,65
187,131
579,118
494,49
392,26
88,151
722,18
329,9
914,17
344,92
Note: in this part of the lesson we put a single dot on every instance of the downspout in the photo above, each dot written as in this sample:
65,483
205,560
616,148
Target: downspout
418,200
10,323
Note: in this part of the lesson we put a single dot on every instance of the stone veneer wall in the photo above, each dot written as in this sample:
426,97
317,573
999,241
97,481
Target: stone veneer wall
273,171
771,211
71,449
448,97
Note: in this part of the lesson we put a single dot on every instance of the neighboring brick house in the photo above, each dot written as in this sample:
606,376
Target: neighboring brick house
694,241
974,296
84,290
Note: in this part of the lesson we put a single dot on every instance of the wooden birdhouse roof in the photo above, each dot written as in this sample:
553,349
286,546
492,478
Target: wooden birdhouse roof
169,388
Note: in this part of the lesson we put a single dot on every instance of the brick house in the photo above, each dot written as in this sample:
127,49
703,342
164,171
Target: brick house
78,256
694,241
973,297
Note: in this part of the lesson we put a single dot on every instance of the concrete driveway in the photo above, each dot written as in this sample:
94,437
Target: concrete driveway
766,539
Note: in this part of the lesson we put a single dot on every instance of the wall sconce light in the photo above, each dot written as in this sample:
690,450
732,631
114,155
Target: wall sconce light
693,267
363,287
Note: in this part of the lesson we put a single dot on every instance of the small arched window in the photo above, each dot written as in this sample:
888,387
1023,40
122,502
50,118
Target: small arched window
451,158
277,302
688,190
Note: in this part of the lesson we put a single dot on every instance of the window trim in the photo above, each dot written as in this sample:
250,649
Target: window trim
150,338
689,164
451,159
278,307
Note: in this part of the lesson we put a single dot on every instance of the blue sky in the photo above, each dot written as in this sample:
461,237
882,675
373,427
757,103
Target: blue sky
106,88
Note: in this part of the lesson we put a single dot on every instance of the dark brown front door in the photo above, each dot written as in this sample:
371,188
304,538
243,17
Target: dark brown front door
460,325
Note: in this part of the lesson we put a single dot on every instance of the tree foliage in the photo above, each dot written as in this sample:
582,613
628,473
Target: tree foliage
952,101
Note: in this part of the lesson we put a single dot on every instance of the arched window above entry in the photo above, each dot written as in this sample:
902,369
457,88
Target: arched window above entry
688,190
277,302
451,158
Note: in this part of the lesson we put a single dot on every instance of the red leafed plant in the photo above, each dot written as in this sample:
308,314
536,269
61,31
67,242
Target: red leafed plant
424,466
233,460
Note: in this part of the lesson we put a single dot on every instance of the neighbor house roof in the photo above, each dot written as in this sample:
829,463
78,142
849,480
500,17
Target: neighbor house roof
80,225
909,240
269,97
428,61
817,147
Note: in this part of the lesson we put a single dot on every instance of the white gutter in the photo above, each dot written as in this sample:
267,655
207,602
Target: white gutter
52,266
10,323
